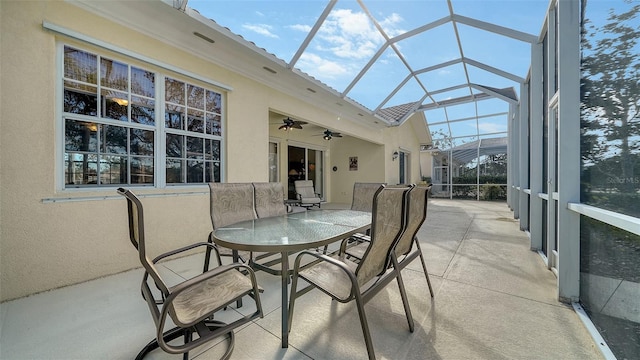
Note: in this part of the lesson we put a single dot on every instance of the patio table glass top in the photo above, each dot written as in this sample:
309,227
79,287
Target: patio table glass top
293,232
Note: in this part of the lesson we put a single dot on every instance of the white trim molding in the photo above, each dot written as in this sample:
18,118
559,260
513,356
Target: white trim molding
625,222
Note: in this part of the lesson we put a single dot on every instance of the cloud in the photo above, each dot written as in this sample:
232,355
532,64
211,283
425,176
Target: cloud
300,27
262,29
487,127
344,42
349,35
389,25
330,69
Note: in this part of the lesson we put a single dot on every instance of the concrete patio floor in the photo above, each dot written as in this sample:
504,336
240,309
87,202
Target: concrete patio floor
494,299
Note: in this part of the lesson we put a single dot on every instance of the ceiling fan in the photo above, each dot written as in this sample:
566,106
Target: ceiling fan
328,134
291,124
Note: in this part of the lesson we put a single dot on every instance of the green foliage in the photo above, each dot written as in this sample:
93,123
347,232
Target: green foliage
491,187
483,179
464,191
493,192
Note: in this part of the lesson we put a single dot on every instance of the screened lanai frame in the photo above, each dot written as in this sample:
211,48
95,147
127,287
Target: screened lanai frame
453,106
475,170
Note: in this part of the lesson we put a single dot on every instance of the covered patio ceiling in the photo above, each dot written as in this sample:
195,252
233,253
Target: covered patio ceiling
374,62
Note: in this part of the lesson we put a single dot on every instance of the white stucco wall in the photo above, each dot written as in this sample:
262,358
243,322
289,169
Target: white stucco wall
50,237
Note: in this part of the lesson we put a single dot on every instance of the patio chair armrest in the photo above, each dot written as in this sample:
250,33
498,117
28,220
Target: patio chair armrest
357,237
183,249
323,257
360,237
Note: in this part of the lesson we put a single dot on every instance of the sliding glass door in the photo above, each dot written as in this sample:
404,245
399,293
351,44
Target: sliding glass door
305,164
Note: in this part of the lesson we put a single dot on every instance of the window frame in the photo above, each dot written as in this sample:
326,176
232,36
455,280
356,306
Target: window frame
161,72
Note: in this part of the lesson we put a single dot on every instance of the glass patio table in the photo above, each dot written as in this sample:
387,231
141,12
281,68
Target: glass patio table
291,233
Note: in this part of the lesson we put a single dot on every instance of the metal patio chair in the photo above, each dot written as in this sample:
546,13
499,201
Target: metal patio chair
306,193
363,201
345,280
403,254
363,195
269,202
191,304
269,199
230,203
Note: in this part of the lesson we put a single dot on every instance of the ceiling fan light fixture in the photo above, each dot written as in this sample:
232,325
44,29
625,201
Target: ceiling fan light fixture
290,124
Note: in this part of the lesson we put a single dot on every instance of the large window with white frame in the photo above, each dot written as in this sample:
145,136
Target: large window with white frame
122,128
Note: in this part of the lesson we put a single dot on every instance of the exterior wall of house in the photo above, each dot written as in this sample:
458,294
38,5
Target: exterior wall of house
370,167
50,237
404,139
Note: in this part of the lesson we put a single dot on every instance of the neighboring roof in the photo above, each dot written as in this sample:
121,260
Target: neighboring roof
470,151
399,113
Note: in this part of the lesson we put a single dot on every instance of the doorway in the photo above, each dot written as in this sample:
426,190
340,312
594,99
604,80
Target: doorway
404,168
305,164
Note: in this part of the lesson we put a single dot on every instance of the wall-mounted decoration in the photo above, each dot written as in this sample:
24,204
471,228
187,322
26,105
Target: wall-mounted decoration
353,163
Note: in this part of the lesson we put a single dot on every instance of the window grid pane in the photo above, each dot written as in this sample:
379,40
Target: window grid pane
114,74
196,111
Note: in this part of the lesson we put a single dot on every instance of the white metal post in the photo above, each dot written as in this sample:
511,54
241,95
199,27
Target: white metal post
535,129
569,150
523,162
514,149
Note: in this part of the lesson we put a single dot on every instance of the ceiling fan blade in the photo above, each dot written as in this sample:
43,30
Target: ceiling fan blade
296,126
298,122
285,126
336,135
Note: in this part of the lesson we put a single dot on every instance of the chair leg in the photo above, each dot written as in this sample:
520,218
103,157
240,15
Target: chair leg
403,292
292,298
153,344
177,332
365,327
187,339
424,267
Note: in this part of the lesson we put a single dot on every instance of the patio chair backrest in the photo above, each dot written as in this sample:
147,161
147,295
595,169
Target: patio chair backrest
231,203
136,235
416,214
269,199
305,189
387,225
363,196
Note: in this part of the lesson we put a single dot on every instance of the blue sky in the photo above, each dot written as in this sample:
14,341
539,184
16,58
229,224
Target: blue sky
348,39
